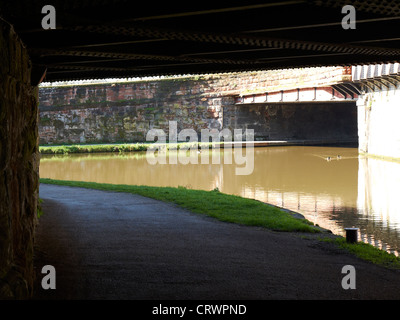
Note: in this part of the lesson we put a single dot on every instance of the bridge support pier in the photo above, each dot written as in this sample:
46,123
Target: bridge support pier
19,166
378,123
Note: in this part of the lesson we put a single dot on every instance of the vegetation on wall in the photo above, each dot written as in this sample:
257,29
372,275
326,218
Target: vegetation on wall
123,147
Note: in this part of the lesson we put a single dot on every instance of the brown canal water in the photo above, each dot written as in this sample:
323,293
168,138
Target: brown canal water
346,190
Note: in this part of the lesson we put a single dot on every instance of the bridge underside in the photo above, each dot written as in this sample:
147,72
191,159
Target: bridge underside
121,38
343,92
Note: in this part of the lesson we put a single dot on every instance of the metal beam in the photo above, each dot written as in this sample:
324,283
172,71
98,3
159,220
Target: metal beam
238,39
112,43
340,90
227,51
320,25
303,56
395,82
214,11
357,90
345,89
378,80
62,63
368,85
386,78
43,52
376,40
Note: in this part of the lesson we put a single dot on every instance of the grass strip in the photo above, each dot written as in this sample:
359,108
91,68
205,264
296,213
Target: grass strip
123,147
95,148
368,252
224,207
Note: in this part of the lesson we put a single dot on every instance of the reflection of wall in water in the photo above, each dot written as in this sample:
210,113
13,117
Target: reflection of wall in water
378,199
317,208
378,189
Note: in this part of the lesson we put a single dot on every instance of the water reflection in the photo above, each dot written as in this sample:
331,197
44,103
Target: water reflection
378,202
331,187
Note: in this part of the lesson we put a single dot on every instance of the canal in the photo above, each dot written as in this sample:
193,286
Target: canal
331,186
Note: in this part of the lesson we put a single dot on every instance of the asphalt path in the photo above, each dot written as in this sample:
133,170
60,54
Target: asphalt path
119,246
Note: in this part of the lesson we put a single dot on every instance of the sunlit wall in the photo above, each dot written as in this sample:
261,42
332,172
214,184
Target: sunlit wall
378,123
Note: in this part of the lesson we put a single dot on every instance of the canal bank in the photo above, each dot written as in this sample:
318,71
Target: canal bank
139,147
113,245
344,191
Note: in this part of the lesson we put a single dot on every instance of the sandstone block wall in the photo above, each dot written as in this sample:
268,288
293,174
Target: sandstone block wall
125,112
18,166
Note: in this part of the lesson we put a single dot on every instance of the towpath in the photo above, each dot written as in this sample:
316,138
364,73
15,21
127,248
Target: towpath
108,245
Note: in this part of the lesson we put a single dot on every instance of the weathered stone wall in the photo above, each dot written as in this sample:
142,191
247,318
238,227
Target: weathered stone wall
18,166
125,112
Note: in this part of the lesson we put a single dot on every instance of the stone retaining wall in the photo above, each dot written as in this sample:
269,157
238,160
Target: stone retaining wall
125,112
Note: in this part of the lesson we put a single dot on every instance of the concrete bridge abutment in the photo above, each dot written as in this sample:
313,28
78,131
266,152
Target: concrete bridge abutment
378,123
378,109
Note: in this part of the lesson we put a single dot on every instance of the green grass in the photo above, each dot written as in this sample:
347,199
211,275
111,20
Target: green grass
368,252
95,148
224,207
122,147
